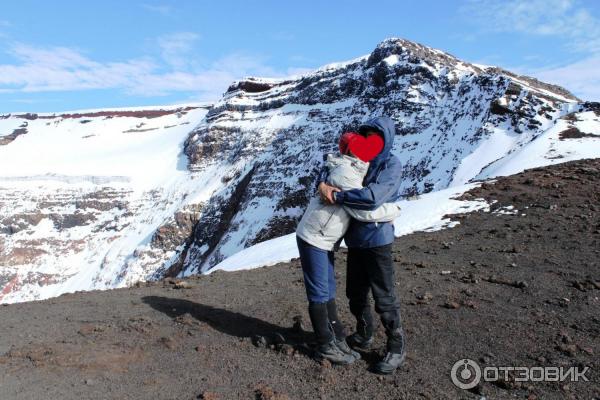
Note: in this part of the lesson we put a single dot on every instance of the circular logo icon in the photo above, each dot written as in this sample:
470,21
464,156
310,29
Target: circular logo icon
465,374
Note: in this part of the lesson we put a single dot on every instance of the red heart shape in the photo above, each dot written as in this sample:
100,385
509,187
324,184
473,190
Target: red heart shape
366,148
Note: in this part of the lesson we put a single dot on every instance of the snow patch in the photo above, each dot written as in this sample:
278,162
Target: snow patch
423,214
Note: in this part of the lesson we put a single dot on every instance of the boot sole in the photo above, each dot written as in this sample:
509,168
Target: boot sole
319,357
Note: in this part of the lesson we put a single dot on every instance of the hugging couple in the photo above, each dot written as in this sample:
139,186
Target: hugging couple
356,190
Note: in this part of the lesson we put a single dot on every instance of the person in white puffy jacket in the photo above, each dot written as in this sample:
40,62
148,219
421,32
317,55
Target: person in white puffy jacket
323,225
319,234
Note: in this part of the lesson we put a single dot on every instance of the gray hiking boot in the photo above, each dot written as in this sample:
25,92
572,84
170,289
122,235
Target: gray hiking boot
330,351
396,352
390,363
343,346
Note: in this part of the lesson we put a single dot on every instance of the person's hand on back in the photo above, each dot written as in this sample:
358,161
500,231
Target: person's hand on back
326,192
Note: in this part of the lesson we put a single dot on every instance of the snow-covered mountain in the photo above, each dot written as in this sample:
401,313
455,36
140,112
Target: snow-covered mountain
81,191
106,198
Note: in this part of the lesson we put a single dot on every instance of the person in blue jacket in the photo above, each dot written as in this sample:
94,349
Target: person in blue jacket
370,263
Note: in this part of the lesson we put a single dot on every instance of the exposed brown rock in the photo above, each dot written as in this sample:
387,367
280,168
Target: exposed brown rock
4,140
574,133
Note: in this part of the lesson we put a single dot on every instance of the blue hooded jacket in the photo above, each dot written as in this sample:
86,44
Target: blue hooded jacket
381,185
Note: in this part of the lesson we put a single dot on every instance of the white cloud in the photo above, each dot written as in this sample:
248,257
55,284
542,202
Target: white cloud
582,77
176,48
65,69
567,22
566,19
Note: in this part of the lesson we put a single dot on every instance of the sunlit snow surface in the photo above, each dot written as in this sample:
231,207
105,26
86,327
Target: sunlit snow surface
423,214
130,170
548,149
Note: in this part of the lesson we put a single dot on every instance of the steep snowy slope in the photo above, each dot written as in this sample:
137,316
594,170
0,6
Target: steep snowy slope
106,198
80,191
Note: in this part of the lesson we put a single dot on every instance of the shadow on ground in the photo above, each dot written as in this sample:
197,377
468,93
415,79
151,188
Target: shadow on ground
229,322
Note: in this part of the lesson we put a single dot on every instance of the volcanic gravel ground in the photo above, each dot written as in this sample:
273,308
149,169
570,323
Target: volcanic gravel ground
516,287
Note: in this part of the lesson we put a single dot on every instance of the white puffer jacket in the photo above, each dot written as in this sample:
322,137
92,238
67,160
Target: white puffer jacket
323,225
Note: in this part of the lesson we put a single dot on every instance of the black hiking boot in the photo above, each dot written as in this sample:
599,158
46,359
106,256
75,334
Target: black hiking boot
362,338
326,347
330,351
359,342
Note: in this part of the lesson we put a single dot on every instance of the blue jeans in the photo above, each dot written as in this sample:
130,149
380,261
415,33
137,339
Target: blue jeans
319,275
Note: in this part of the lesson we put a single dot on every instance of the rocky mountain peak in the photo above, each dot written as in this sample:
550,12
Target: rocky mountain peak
412,52
409,52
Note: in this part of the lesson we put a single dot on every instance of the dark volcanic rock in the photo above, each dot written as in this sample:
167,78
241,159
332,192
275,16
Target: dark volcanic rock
574,133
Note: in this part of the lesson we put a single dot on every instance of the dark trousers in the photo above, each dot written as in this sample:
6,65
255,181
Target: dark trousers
372,269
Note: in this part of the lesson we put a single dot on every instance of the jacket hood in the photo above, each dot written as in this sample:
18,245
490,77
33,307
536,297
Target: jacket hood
388,128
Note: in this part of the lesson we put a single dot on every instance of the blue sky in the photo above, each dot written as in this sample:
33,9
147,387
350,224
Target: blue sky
65,55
